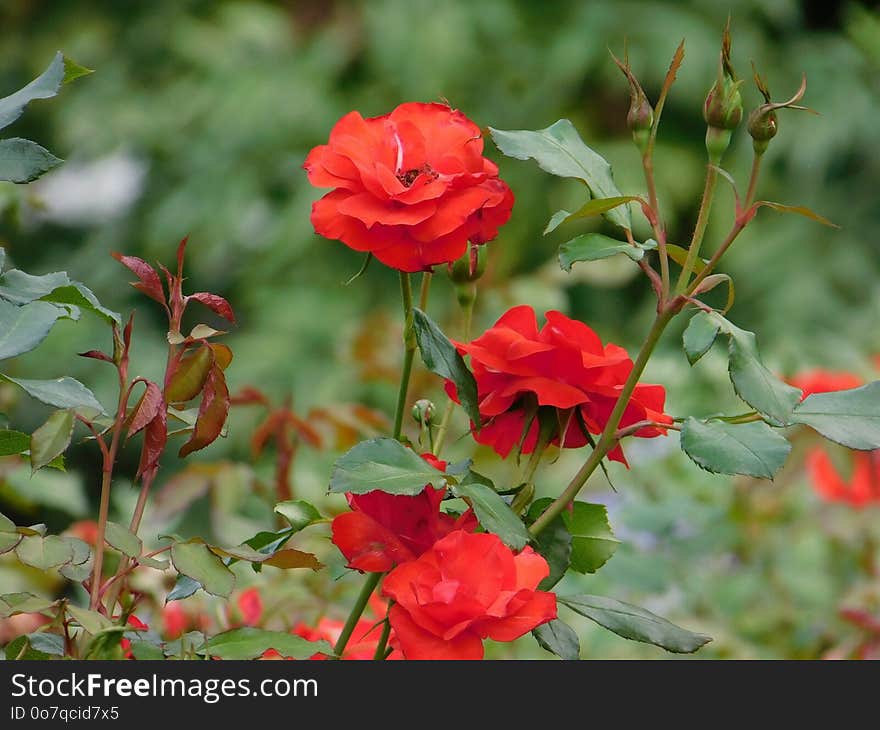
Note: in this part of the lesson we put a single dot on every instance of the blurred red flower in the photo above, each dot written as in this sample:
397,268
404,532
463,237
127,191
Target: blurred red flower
466,588
411,187
861,489
824,381
384,530
564,366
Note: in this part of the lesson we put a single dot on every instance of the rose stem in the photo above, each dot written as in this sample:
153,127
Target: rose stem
356,611
383,640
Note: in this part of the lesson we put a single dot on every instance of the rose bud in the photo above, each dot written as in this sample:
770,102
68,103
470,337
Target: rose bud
423,412
723,107
762,123
470,266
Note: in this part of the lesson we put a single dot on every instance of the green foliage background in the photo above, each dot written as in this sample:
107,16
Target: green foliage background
217,104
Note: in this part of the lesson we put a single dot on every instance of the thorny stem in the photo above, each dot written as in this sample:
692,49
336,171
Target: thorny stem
608,438
130,566
356,611
383,640
657,224
409,352
699,229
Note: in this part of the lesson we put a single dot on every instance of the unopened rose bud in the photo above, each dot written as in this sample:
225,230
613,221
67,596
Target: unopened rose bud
763,123
423,412
723,108
640,118
470,266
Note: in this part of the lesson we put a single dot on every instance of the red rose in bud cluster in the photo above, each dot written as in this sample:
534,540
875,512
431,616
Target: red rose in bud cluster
384,530
467,587
563,365
862,487
411,187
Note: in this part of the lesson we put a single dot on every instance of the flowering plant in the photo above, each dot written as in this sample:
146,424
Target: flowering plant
452,557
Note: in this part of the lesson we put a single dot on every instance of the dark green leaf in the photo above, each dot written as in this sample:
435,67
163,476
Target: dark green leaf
49,644
495,514
441,358
52,438
592,542
553,542
22,648
184,587
559,150
62,393
23,328
20,287
699,336
144,650
849,417
595,246
384,464
752,448
79,295
249,642
558,638
298,513
637,624
589,209
22,161
195,560
13,442
43,87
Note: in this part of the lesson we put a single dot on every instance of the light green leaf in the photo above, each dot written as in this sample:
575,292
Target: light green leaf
634,623
46,643
589,209
23,328
52,438
13,442
559,150
13,603
123,539
43,87
72,70
849,417
592,541
249,642
384,464
91,621
752,448
495,514
79,295
62,393
558,638
19,287
194,560
43,553
699,335
441,358
298,513
595,246
22,161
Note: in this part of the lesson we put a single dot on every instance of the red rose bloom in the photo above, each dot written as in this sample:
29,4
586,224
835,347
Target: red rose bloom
411,187
825,381
384,530
863,487
564,366
468,587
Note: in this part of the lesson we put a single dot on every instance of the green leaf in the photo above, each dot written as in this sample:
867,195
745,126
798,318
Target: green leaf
185,645
592,541
46,643
62,393
752,448
589,209
9,534
43,87
14,603
384,464
634,623
595,246
79,295
23,328
495,514
848,417
559,150
22,161
152,562
799,209
144,650
249,642
298,513
19,287
91,621
13,442
22,648
553,543
699,335
752,381
558,638
184,587
123,539
195,560
441,358
52,438
43,553
679,255
72,70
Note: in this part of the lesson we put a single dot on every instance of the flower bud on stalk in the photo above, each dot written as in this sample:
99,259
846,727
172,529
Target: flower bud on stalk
470,266
640,118
423,412
762,123
723,107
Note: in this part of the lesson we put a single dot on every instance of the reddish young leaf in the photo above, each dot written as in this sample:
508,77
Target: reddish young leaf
222,354
155,438
290,558
181,248
149,283
249,396
215,303
190,375
212,413
265,431
303,429
149,405
96,355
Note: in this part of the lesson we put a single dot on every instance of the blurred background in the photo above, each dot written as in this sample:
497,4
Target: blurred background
197,120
